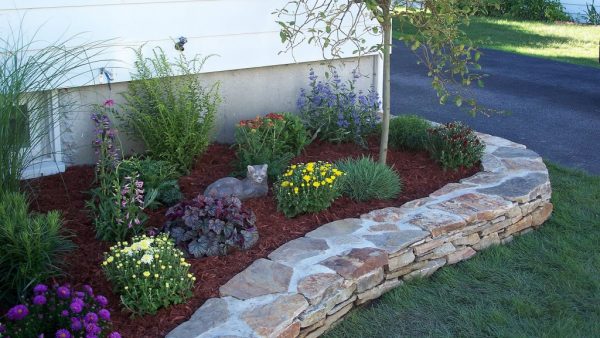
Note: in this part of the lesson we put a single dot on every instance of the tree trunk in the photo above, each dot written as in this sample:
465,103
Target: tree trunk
385,123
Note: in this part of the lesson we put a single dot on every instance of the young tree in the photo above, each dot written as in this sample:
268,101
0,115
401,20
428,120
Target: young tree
435,36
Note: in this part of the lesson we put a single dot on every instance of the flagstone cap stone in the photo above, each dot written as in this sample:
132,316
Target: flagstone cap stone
308,284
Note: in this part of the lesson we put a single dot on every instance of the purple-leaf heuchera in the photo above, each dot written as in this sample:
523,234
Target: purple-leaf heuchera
60,312
208,226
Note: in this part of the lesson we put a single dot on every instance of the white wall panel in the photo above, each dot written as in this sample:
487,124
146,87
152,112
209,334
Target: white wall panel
242,33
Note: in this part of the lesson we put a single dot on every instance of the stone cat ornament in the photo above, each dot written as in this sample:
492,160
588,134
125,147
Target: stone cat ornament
254,185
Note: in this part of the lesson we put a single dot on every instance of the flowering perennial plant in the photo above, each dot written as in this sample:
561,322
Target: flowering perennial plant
273,139
309,187
455,145
60,312
208,226
105,141
335,111
148,273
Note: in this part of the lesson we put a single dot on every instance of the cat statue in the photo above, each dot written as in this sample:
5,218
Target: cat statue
254,185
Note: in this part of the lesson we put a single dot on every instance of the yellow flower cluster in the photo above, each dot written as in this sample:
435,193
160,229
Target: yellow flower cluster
148,263
301,176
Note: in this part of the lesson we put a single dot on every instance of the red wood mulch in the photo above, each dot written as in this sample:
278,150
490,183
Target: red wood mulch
67,192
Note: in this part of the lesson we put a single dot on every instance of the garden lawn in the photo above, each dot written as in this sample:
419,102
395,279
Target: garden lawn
563,42
545,283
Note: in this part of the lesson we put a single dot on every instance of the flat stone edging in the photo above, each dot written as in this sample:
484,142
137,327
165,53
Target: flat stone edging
310,283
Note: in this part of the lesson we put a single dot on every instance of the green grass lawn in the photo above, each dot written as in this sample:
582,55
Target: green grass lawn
543,284
570,43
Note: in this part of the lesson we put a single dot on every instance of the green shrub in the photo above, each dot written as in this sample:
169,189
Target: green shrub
159,177
274,140
309,187
366,179
408,132
31,246
541,10
168,109
455,145
150,273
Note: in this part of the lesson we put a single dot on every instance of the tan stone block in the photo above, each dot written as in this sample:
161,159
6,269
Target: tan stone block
468,240
341,305
428,246
495,227
427,270
438,252
487,241
541,214
377,291
460,255
291,332
524,223
395,263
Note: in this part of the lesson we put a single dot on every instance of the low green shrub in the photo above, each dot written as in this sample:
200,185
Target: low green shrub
455,145
274,140
32,246
149,273
207,226
159,177
408,132
366,179
61,312
168,108
305,188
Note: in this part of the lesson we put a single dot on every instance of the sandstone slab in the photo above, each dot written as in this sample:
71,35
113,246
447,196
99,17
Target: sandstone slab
519,189
274,318
475,207
336,228
436,222
357,262
213,313
319,286
393,242
293,252
377,291
427,270
511,152
460,255
263,277
397,262
487,241
541,214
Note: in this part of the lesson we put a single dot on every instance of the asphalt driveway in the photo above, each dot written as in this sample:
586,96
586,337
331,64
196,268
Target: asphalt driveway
554,106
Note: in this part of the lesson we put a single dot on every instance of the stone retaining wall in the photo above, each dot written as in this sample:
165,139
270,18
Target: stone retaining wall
310,283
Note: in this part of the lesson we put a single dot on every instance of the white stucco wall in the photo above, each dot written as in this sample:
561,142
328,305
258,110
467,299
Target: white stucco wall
242,34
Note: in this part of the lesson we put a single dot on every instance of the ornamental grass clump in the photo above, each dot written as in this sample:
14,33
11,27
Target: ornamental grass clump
149,273
207,226
366,179
305,188
273,139
409,132
61,312
336,111
32,246
454,145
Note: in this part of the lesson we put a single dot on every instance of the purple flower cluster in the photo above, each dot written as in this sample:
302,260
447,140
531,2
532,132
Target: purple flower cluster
62,313
105,140
130,201
337,109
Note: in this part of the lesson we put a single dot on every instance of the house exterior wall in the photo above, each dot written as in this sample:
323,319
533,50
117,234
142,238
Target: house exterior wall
246,93
242,36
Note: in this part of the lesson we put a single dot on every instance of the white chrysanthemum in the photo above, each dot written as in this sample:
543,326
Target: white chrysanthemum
147,259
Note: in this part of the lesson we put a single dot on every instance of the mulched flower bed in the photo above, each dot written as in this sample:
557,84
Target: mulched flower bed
67,192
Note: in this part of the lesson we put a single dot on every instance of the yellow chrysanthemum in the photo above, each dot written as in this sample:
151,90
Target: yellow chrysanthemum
306,178
296,190
316,184
146,274
285,184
